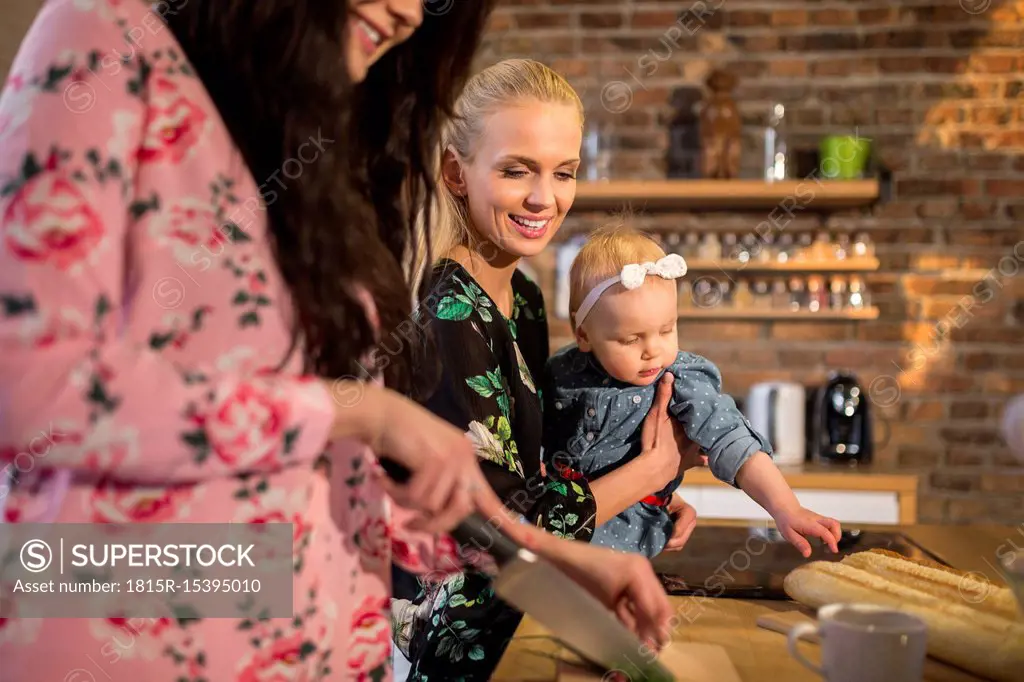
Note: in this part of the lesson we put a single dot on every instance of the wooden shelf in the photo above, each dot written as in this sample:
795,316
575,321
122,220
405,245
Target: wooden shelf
560,328
726,194
846,265
724,313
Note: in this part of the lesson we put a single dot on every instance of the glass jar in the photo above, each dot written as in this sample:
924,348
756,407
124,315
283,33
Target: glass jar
817,297
762,295
803,247
857,296
797,294
780,295
728,247
691,246
709,249
837,300
742,298
785,249
768,251
672,243
841,248
822,248
863,247
685,294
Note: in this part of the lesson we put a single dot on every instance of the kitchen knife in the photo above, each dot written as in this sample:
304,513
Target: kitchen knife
536,587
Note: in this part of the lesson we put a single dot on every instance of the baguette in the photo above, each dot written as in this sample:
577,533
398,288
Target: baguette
972,630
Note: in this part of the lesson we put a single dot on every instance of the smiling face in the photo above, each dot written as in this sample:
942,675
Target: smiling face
633,333
374,27
520,179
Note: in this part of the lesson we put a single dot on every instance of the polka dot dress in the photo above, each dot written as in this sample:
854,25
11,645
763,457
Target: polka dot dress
593,422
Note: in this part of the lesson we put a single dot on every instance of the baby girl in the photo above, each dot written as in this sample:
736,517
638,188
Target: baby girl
624,312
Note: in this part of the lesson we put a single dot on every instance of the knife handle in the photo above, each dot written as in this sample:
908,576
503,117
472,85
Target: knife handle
473,530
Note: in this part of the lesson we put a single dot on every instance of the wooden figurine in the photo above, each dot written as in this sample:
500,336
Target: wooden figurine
720,128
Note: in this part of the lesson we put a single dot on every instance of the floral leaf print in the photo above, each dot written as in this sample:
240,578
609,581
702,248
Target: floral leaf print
476,653
486,445
513,329
199,443
251,296
504,429
481,385
17,305
139,208
524,371
453,310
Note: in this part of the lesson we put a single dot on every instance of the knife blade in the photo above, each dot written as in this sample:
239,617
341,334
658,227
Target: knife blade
536,587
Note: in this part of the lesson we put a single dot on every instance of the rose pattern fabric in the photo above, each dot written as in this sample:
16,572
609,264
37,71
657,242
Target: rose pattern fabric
140,332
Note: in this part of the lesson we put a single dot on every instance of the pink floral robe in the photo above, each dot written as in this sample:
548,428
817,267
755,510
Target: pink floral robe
141,315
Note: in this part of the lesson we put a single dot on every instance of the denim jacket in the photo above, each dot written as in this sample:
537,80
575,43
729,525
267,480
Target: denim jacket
592,425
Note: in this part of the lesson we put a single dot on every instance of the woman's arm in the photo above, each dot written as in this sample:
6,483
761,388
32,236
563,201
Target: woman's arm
80,387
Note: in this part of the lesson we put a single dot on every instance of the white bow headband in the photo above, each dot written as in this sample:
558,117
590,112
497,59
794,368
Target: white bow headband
632,276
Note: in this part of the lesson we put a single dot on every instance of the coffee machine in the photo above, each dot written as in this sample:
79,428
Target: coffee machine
839,422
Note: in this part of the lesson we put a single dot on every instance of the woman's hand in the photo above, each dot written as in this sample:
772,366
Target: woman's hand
444,473
657,437
685,520
689,452
625,583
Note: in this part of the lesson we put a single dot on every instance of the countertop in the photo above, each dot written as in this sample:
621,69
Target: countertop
759,654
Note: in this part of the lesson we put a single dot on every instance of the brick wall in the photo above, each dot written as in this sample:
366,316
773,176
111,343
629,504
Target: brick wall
938,86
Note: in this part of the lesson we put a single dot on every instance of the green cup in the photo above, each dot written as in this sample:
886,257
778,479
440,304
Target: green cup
843,157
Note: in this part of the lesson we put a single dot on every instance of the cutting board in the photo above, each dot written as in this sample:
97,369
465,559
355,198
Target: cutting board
689,661
934,670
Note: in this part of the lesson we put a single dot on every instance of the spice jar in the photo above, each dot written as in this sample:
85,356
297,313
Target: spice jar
691,246
762,295
709,249
863,247
728,247
817,297
685,294
672,243
803,247
797,294
742,299
837,300
706,293
841,248
768,251
822,248
780,295
857,296
785,249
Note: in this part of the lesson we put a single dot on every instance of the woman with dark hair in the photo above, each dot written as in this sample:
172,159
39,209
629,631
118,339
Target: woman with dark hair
207,214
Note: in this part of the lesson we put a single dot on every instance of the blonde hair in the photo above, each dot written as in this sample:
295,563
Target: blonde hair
505,83
604,255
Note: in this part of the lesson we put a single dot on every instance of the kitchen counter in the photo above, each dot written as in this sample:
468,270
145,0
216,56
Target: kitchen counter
851,494
759,654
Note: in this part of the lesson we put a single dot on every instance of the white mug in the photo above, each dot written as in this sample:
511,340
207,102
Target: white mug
865,643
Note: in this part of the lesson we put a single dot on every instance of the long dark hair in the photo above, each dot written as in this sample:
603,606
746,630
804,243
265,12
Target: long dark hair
275,70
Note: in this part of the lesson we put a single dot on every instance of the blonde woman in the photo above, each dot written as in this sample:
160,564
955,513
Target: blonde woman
508,171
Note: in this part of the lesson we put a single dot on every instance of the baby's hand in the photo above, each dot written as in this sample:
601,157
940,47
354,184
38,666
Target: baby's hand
800,522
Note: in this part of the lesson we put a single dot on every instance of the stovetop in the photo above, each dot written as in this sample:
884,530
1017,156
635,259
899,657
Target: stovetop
752,562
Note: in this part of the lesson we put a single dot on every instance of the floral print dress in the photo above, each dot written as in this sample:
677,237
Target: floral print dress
488,388
142,322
